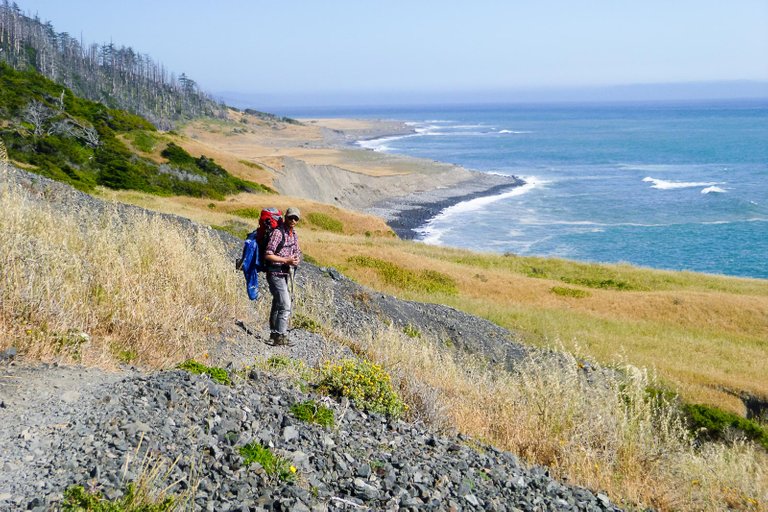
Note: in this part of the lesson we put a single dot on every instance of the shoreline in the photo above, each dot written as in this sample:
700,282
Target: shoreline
405,214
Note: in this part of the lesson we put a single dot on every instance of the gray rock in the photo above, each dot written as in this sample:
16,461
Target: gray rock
290,433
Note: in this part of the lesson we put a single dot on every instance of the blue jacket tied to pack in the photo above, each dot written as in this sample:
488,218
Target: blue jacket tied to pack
250,265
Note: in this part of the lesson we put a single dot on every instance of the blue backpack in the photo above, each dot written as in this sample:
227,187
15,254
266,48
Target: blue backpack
252,261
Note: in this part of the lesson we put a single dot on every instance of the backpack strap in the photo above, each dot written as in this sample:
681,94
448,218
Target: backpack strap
282,239
278,267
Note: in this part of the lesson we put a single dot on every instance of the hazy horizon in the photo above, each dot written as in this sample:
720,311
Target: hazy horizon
686,91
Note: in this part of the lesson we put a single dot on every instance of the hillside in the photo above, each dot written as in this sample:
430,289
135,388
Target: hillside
704,335
48,129
591,425
195,428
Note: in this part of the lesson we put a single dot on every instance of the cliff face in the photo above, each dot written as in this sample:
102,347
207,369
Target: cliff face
61,426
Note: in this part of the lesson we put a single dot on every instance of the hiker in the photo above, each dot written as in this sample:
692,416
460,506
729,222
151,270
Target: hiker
280,268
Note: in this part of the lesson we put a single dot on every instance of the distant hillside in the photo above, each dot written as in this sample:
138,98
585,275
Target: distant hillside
55,133
116,76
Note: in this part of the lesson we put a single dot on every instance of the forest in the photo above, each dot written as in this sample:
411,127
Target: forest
116,76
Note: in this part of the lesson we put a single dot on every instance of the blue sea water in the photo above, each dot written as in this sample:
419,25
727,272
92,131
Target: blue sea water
679,186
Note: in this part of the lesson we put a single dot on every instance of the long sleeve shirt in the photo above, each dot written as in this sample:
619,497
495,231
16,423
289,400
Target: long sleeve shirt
289,249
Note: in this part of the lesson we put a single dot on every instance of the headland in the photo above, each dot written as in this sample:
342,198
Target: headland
319,159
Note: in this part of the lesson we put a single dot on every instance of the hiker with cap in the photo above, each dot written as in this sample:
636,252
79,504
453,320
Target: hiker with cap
282,255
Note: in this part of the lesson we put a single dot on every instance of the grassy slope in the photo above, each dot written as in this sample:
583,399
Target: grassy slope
704,335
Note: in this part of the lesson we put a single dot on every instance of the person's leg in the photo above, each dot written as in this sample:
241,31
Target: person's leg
281,304
285,308
274,288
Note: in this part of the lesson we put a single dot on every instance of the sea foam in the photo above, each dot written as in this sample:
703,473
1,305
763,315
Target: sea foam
432,234
674,185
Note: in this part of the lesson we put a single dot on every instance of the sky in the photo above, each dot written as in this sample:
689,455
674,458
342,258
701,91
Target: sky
355,51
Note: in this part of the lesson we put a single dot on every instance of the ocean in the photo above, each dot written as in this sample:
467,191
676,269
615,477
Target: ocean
679,186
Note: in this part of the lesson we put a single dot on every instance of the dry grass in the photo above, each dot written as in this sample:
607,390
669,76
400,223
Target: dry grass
122,287
704,335
609,437
219,213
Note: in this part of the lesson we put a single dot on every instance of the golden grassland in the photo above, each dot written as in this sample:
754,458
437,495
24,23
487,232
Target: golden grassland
140,288
706,336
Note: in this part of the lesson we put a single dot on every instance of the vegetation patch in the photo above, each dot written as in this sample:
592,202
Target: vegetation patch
252,165
569,292
713,424
275,466
427,281
77,499
278,362
247,213
307,323
411,331
310,411
78,141
365,383
325,222
220,375
293,368
607,284
309,259
143,140
234,228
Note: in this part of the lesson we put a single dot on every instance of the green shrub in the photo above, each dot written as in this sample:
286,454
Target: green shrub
311,412
143,140
275,466
77,499
365,383
220,375
178,155
248,213
570,292
712,424
278,362
306,323
428,281
411,331
325,222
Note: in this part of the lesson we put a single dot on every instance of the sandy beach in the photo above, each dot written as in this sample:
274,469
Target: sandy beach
318,159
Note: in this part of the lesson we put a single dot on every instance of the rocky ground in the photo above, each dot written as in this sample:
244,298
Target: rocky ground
61,426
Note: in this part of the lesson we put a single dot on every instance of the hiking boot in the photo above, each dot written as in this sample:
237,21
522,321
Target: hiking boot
283,341
274,338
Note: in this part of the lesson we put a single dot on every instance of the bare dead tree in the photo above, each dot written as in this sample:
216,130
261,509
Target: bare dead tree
37,114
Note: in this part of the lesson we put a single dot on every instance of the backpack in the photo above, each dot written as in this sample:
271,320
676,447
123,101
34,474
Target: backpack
252,261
